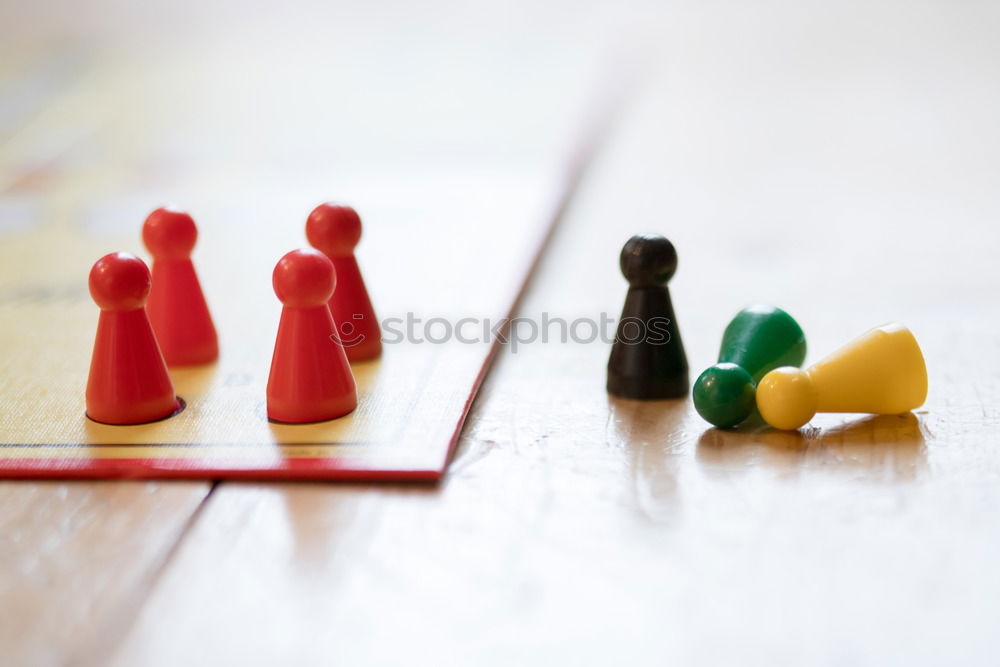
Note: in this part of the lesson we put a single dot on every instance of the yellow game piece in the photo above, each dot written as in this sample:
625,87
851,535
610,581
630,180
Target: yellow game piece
881,372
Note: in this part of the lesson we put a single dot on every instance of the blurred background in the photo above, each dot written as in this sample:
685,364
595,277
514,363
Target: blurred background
813,120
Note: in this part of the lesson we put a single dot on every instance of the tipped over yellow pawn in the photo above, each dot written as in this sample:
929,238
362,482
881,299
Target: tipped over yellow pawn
880,372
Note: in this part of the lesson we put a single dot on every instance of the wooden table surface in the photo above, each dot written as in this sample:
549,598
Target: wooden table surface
839,160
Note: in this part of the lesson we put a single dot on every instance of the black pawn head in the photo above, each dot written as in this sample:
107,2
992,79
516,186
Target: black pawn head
648,260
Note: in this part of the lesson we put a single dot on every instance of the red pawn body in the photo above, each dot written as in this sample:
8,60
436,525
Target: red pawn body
128,381
177,308
310,379
335,231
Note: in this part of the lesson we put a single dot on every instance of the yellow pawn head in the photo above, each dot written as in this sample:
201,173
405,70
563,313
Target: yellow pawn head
881,372
786,398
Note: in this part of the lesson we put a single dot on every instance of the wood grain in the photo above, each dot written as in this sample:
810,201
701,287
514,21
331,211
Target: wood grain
79,554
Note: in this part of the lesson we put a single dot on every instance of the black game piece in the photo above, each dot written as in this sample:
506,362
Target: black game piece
647,357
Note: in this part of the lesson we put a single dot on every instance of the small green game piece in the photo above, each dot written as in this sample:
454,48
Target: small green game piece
758,340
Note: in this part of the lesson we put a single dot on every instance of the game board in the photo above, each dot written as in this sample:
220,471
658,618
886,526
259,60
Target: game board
452,230
438,244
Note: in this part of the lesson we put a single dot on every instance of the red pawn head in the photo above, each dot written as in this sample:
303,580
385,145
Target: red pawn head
120,282
334,229
304,279
169,234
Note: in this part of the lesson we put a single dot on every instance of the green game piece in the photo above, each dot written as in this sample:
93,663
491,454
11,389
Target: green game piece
758,340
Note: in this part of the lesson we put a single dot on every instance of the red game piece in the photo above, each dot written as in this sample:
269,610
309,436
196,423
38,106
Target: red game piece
128,381
177,308
311,379
336,230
